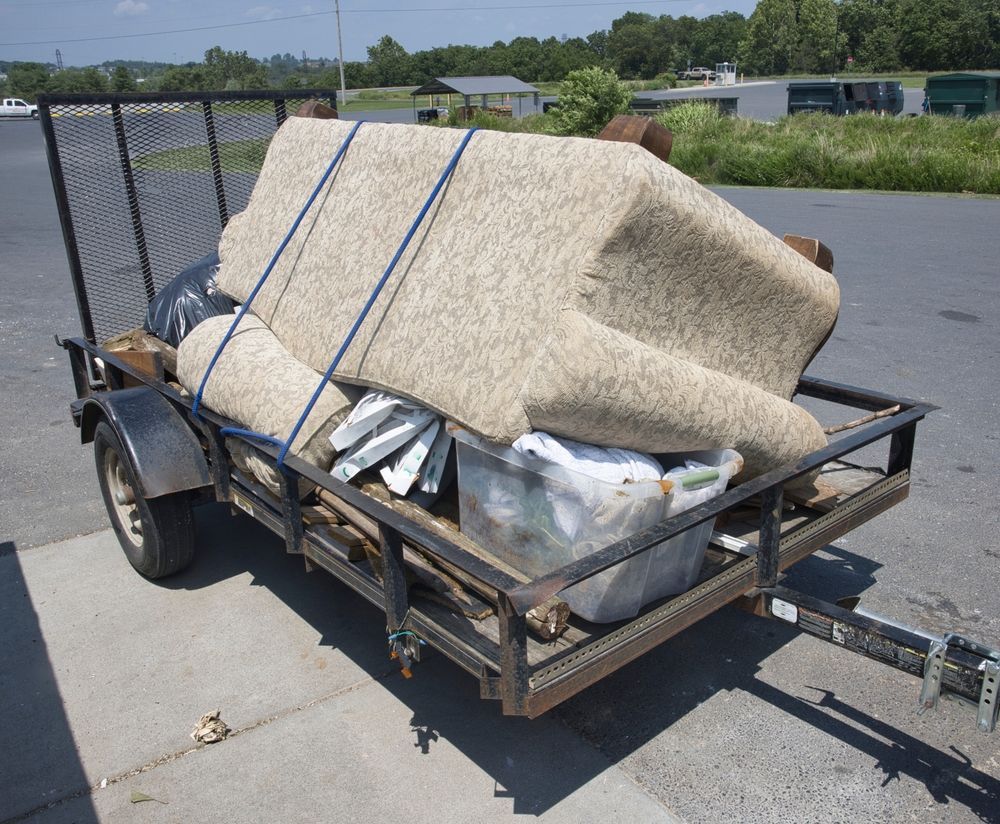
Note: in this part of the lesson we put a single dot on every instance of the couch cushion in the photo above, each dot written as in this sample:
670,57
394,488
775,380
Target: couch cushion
670,404
259,384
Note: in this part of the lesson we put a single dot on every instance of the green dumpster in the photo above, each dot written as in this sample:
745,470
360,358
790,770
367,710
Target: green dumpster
978,92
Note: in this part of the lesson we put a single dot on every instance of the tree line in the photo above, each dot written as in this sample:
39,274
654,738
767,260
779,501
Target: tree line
779,37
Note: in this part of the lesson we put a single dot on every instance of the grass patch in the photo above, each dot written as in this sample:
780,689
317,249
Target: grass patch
236,156
371,105
547,87
531,124
382,94
862,151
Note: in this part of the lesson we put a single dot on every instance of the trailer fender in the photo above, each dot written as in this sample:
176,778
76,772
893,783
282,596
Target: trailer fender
163,451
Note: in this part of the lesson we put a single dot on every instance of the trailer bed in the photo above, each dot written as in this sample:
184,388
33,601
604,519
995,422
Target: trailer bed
760,531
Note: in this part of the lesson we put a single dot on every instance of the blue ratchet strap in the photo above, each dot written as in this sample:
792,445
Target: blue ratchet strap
264,277
250,435
376,291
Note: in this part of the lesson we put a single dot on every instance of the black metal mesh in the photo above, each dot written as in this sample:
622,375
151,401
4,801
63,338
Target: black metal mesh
145,183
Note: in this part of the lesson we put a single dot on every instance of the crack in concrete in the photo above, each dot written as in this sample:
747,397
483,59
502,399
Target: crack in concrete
104,783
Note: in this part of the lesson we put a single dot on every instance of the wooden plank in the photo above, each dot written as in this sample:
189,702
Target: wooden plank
547,620
346,535
355,553
819,495
319,515
139,340
149,363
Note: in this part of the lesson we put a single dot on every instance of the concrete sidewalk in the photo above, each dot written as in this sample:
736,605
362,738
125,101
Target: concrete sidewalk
105,675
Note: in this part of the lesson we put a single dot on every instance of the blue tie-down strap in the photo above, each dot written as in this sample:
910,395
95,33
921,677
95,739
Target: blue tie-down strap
270,268
250,435
375,292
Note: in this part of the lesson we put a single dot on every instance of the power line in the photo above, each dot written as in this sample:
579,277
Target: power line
419,9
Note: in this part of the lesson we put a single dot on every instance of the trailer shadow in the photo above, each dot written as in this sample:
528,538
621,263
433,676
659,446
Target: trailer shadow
39,762
538,764
947,776
731,650
525,759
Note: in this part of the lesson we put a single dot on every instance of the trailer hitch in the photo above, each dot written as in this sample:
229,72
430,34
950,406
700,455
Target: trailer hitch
937,658
951,666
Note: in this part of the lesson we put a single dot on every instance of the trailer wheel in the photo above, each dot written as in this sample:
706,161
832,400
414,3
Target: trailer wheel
156,534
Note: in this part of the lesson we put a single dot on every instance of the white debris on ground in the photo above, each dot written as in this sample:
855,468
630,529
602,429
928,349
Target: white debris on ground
210,728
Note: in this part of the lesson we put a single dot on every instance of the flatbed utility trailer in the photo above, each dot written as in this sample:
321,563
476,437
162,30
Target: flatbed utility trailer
127,168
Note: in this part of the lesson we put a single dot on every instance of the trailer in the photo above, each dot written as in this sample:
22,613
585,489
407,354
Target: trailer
145,183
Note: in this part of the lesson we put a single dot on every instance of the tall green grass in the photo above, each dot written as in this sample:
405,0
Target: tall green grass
532,123
864,151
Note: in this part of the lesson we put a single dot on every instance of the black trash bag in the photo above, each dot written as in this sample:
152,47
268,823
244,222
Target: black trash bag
186,301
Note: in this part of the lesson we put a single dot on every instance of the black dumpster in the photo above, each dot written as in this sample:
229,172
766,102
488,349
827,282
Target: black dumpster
817,96
894,97
877,96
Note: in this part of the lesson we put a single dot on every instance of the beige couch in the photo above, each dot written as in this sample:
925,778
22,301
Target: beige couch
578,286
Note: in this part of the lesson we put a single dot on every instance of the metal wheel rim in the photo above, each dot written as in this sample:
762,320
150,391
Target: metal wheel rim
123,505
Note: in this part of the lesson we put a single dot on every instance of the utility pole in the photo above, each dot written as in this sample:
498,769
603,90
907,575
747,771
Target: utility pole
340,58
836,39
59,63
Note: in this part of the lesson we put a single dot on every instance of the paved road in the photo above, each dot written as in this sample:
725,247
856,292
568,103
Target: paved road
736,719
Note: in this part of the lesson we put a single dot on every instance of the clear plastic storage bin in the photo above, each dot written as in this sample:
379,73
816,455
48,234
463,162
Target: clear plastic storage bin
538,516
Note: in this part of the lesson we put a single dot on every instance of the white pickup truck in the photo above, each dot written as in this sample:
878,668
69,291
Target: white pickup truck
15,107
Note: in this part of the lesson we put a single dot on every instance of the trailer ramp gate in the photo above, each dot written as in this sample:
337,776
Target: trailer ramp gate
145,183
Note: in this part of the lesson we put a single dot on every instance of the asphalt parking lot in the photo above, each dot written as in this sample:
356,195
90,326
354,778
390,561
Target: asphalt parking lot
105,674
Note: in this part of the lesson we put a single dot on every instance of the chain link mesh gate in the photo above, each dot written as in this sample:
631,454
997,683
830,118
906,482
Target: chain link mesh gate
145,183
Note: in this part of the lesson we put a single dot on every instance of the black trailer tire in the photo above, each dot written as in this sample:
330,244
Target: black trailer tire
156,534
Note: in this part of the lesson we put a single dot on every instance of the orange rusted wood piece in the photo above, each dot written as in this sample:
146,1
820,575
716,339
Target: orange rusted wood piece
313,108
149,363
812,250
631,128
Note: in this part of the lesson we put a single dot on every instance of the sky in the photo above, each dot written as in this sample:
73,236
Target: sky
34,29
